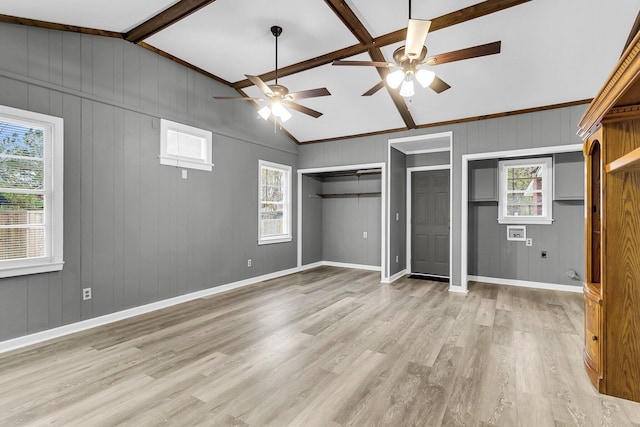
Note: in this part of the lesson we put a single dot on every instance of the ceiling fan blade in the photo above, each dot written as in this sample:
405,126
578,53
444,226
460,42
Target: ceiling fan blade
374,89
470,52
311,93
303,109
416,35
365,63
238,98
438,85
261,85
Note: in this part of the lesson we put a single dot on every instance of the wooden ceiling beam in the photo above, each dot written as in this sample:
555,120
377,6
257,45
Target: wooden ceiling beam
60,27
376,55
350,20
465,14
164,19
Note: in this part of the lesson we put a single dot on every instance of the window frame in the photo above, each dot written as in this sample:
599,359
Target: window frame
53,194
204,163
286,236
547,191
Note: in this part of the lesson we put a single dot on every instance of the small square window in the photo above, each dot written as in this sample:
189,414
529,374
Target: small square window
525,191
185,146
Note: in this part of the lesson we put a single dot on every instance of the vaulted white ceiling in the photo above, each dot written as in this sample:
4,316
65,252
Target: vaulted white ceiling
552,52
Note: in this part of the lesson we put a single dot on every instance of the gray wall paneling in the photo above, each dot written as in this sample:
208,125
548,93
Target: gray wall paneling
135,231
492,255
344,219
428,159
312,220
530,130
398,205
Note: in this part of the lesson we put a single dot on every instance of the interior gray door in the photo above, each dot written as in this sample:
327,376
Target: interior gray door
430,222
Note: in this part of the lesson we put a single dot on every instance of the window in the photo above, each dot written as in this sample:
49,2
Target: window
525,191
185,146
31,162
274,203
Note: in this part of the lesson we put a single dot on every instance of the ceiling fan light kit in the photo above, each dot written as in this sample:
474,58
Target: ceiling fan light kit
395,78
425,77
278,96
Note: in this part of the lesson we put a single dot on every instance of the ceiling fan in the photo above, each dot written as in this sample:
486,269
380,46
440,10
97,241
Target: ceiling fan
278,95
409,57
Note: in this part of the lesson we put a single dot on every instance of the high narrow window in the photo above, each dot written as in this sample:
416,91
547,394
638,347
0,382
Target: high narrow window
525,191
274,203
31,162
185,146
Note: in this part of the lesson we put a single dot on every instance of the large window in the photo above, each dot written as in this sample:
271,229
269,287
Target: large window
31,157
525,191
274,203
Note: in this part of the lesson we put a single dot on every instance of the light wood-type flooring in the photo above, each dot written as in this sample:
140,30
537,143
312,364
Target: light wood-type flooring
327,347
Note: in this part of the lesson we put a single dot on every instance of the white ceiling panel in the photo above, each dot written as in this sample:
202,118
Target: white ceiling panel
112,15
231,38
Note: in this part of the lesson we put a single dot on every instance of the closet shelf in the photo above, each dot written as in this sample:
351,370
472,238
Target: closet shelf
630,162
338,174
326,195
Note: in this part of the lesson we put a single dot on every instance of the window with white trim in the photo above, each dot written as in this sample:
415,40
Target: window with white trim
31,187
274,203
185,146
525,191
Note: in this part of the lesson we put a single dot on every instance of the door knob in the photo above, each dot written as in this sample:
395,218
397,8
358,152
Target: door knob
594,337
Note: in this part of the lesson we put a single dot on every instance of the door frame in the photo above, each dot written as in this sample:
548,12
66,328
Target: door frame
409,229
421,144
383,201
464,220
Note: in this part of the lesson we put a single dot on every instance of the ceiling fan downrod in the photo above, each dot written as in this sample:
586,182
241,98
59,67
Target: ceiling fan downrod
276,31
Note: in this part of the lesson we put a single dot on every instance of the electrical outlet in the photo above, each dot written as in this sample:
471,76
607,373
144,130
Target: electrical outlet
184,174
529,241
543,254
86,294
364,235
397,216
249,263
396,259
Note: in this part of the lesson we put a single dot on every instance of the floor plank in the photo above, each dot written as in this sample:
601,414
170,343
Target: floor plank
325,347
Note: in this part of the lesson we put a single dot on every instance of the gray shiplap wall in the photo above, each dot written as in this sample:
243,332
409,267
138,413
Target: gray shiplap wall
311,220
539,129
345,219
135,232
397,208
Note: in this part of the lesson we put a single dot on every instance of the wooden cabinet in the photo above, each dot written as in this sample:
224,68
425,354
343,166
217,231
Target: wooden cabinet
611,129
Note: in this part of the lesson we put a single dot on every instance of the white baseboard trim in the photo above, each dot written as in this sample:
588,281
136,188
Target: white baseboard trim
347,265
38,337
395,277
526,284
82,325
458,290
310,266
